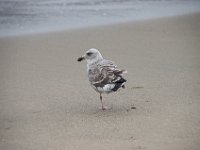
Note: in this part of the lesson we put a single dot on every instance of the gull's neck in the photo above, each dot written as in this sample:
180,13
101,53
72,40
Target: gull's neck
94,61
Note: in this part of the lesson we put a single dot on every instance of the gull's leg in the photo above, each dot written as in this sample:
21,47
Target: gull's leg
102,107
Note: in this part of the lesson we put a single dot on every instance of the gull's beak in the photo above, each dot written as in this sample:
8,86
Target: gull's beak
81,58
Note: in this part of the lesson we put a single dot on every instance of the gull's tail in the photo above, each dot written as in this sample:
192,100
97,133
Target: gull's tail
119,81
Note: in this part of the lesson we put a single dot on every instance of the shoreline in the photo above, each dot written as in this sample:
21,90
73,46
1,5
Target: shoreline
86,27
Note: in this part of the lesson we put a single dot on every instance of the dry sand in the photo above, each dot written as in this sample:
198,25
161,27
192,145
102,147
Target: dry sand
46,102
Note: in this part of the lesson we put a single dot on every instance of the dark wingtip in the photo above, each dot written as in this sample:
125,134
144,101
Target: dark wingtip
117,86
121,80
80,59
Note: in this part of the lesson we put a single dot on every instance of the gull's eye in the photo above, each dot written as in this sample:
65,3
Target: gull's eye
89,53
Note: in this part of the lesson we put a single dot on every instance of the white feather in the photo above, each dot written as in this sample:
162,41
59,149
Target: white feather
106,88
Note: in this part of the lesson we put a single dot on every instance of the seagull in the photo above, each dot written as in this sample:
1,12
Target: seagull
104,76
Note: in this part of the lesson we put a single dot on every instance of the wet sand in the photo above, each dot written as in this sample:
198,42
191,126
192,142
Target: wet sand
46,101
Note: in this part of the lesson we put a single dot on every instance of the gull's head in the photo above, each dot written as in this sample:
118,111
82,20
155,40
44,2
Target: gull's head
91,56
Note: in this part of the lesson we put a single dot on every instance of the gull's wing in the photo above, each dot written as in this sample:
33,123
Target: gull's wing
105,72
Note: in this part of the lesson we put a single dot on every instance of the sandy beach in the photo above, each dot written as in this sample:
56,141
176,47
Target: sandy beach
46,102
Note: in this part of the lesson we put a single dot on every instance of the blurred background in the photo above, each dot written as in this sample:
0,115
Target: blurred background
27,16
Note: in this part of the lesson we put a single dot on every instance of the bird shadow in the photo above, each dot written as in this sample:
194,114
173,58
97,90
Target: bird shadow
86,110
